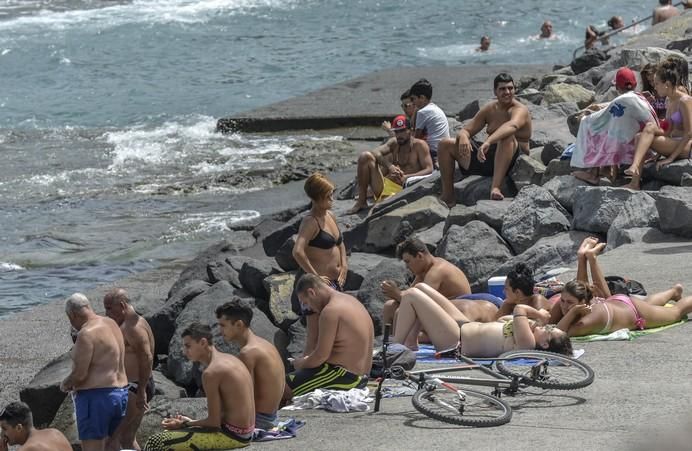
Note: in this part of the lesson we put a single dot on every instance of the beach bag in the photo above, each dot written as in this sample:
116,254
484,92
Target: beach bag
397,354
623,285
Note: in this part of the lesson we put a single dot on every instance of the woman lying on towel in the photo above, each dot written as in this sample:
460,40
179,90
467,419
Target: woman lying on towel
584,309
448,328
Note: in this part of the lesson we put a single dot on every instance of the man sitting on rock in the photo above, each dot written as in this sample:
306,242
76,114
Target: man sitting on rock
442,276
227,385
259,356
17,426
409,109
508,125
139,359
403,160
343,355
664,12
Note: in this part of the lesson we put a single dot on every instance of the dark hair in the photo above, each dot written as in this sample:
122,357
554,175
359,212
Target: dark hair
560,344
405,95
580,290
502,77
422,88
236,309
308,281
650,68
197,331
678,66
16,413
611,22
663,2
412,246
521,278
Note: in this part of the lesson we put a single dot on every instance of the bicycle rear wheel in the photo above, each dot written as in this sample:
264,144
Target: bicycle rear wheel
463,407
545,369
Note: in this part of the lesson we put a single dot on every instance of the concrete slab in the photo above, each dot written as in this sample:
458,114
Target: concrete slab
372,98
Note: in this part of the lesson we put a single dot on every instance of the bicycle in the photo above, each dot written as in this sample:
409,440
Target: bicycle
439,397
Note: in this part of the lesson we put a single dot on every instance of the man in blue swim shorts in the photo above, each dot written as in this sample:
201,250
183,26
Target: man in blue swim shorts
98,380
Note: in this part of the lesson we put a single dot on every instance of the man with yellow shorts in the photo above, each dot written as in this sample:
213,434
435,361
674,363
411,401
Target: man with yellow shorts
388,168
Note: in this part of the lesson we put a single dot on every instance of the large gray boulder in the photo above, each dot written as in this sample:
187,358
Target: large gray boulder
564,92
360,265
43,393
551,150
476,248
489,211
534,214
636,58
253,272
637,211
273,241
671,174
370,293
556,168
469,110
562,188
526,171
596,207
547,253
432,236
641,235
547,126
590,58
474,188
385,231
202,309
425,187
284,256
674,205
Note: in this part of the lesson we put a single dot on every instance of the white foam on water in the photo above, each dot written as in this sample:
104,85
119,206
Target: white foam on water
139,11
198,224
9,267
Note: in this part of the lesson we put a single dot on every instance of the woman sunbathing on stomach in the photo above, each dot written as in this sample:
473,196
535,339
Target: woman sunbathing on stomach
447,327
584,309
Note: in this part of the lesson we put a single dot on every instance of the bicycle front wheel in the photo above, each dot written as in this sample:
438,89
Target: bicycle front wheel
463,407
545,369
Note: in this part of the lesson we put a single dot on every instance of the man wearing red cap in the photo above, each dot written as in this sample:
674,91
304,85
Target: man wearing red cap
387,168
625,80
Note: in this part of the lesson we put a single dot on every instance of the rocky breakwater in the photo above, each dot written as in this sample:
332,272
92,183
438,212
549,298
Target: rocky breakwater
541,222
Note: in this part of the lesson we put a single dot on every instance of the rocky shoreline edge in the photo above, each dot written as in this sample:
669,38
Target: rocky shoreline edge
542,224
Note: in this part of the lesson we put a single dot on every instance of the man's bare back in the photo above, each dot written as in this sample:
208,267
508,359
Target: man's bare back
46,440
353,342
227,378
101,341
267,370
447,278
663,13
136,331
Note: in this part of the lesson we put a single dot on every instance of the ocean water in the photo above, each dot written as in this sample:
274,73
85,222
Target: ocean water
109,159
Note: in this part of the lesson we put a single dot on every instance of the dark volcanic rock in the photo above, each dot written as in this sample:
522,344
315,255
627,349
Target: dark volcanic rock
562,189
475,248
284,256
43,393
596,207
534,214
637,211
253,273
526,171
474,188
556,168
275,239
432,236
489,211
590,58
362,264
370,293
469,110
674,206
672,174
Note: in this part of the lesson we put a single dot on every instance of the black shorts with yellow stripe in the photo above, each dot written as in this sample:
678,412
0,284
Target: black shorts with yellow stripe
327,376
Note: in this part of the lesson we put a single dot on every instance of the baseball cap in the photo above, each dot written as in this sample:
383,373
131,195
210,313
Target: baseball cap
625,78
400,123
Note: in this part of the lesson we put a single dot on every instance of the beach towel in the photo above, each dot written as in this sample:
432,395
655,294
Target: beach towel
284,430
624,334
606,137
353,400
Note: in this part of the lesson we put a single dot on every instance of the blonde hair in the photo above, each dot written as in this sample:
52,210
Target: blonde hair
318,186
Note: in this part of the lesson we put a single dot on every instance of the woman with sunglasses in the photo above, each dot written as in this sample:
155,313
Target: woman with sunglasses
584,309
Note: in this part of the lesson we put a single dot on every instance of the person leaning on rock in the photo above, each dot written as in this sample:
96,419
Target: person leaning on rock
508,124
388,168
98,377
259,356
17,427
139,359
343,355
227,386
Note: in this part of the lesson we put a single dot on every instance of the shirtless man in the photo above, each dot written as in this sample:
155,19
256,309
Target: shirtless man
401,159
519,291
343,355
259,356
439,274
485,44
664,12
139,359
508,125
227,385
547,30
98,377
17,426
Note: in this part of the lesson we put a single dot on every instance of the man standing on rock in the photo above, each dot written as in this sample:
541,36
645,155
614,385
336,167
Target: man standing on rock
402,160
227,385
139,358
343,356
508,124
664,12
17,426
98,377
259,356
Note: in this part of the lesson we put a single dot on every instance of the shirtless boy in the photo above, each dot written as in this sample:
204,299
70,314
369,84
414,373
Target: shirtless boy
388,168
508,124
227,385
344,345
259,356
17,426
139,359
98,377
